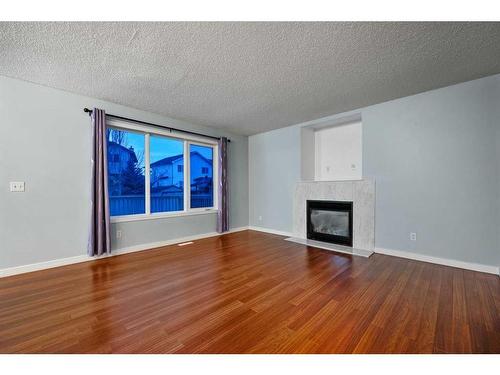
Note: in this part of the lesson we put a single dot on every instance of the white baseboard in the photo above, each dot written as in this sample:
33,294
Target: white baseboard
404,254
85,258
44,265
272,231
143,247
408,255
443,261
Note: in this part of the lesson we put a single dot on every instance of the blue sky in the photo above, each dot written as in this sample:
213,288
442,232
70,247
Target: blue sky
205,151
161,147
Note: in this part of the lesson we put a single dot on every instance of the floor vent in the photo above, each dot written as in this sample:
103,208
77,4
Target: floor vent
185,243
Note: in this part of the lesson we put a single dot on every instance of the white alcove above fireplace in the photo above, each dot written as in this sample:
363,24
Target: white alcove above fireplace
338,152
333,150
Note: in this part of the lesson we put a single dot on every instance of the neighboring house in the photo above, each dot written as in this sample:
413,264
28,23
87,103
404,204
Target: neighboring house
168,172
119,158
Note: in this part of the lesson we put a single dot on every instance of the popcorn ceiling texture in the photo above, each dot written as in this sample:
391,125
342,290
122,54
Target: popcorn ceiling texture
248,77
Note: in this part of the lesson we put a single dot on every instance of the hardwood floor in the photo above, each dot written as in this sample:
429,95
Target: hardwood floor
250,292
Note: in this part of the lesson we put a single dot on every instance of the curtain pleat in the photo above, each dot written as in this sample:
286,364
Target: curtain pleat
99,241
223,212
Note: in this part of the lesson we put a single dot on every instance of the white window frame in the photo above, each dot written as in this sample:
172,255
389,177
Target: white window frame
215,169
188,140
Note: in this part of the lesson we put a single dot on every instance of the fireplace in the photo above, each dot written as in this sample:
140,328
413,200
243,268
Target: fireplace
330,221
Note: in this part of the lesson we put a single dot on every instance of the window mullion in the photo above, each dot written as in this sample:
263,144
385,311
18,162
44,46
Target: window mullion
147,174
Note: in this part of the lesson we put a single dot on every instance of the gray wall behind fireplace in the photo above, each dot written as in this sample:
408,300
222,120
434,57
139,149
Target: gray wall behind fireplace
435,159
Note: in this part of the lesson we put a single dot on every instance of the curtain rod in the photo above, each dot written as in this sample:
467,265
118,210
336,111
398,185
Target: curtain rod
89,111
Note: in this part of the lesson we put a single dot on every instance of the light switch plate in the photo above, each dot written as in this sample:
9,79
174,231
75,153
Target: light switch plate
17,186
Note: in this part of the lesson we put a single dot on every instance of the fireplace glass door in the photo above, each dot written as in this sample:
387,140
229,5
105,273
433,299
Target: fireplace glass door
330,221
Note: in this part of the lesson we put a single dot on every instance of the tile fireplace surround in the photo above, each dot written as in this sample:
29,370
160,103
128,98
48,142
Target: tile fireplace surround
360,192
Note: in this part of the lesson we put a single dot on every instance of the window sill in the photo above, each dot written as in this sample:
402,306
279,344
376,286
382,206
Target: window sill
141,217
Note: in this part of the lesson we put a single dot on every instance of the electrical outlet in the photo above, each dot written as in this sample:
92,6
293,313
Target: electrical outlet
413,236
260,218
17,186
118,233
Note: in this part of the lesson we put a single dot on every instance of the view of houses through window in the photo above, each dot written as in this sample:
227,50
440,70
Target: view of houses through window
167,174
126,179
201,176
127,169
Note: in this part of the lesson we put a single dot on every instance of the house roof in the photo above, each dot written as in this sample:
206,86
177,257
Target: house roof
172,159
124,149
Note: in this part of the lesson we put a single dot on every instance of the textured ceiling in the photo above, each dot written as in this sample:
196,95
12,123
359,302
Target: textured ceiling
248,77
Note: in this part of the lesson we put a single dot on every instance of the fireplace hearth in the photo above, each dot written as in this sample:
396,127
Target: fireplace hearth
330,221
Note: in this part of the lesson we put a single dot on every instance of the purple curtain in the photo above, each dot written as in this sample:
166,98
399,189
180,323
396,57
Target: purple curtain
223,213
99,236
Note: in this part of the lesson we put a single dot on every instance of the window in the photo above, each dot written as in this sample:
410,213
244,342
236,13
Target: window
126,172
147,175
167,179
202,184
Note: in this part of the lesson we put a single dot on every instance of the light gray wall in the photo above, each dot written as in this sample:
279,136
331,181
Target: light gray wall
274,167
45,141
434,157
434,160
496,122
